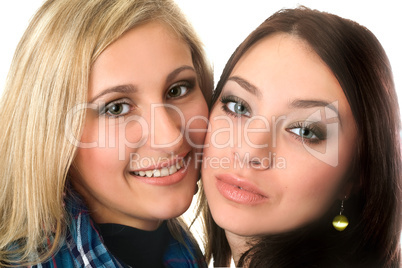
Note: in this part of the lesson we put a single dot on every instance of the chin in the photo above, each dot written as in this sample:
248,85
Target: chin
250,229
235,228
241,225
172,208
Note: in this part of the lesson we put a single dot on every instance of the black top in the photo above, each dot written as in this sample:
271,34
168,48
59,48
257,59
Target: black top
137,248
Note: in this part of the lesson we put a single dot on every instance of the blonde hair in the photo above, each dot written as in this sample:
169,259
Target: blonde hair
48,77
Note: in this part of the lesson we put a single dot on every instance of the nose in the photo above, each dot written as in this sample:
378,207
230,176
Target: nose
254,143
166,127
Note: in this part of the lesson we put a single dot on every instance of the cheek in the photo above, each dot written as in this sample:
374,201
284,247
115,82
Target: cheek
91,134
110,137
214,149
97,143
315,176
221,132
196,118
98,154
95,163
310,190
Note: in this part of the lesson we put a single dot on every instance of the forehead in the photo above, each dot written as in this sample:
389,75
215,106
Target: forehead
142,56
150,36
287,66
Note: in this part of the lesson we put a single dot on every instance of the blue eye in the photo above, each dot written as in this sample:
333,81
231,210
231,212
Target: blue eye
235,106
117,109
304,132
311,133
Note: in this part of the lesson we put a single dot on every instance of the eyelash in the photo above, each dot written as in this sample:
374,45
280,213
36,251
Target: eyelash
228,99
189,84
105,109
317,130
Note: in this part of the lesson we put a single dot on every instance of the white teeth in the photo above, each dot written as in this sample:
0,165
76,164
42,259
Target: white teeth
157,173
172,169
165,171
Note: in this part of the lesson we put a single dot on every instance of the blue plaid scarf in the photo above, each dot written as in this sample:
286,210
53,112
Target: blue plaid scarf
83,247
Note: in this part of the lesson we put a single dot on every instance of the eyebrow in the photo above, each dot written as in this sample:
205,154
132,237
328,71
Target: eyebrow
176,72
129,88
246,85
312,103
305,104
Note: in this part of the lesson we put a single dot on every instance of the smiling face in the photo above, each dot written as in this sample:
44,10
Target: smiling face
280,141
136,161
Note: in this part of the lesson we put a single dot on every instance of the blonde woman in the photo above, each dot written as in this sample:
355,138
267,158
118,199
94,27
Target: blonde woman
102,117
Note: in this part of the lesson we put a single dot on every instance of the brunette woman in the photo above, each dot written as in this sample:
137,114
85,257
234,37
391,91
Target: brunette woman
305,130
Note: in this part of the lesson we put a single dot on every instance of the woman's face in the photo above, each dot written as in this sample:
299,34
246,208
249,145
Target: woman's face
146,115
280,141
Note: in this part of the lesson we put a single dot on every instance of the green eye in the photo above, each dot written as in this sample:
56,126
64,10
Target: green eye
117,109
177,91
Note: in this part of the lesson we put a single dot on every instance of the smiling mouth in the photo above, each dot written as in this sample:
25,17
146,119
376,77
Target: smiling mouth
161,172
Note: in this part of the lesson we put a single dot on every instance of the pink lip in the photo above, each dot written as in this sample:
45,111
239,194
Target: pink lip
239,190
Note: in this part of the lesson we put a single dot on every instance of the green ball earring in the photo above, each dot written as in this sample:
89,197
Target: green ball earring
340,222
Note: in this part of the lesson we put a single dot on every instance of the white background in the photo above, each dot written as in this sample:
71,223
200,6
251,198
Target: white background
223,24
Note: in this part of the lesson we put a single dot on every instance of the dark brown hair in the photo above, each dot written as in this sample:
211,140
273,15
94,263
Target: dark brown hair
361,66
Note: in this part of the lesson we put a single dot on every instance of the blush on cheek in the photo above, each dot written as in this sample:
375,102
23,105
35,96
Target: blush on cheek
94,159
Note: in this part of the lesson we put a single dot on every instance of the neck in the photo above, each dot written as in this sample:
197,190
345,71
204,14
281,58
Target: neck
238,245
